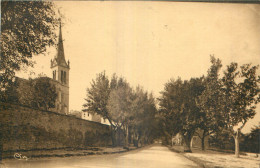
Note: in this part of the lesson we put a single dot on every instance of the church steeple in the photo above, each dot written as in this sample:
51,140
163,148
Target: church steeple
59,59
60,72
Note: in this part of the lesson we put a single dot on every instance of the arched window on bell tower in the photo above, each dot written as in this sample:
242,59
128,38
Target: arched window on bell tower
64,73
54,74
61,77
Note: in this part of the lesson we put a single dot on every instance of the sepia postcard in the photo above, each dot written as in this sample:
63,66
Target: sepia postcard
130,84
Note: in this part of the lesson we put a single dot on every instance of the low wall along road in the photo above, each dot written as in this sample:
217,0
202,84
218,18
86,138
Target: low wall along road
23,128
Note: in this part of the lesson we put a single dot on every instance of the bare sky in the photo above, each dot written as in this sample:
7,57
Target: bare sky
150,42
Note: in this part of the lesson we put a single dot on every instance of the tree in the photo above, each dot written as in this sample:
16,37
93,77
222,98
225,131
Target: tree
178,106
97,98
27,28
168,108
144,120
38,93
45,93
210,101
127,110
241,94
119,108
228,102
141,120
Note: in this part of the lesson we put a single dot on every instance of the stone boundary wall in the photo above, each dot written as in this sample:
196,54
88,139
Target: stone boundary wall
24,128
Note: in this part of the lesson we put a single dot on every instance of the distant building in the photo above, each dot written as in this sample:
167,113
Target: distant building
105,121
178,139
60,75
94,117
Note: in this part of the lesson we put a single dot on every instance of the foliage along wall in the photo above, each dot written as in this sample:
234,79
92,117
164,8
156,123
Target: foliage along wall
24,128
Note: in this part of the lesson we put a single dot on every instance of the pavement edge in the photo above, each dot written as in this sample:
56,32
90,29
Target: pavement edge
199,162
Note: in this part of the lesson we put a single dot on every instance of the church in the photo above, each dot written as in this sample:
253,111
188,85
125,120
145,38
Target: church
60,75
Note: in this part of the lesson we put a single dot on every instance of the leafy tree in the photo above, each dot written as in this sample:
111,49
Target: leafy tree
144,121
178,102
128,110
11,94
45,93
25,92
210,101
133,111
27,28
98,95
168,127
228,102
119,108
168,107
241,94
37,93
137,109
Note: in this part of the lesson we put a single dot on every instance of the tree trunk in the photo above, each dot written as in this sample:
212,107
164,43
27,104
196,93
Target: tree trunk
172,139
135,139
187,142
187,147
236,137
118,137
126,137
131,137
113,137
203,140
203,143
113,131
46,107
1,146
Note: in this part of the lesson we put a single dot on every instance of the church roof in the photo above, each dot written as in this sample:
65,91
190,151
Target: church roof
59,58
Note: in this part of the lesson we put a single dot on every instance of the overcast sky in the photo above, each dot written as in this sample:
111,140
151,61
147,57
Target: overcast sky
150,42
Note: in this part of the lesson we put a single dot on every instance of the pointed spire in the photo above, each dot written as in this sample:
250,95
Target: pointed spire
60,57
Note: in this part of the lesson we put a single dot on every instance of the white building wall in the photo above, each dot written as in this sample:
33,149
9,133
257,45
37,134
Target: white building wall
86,116
96,118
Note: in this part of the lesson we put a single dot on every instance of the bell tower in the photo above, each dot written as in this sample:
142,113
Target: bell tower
60,75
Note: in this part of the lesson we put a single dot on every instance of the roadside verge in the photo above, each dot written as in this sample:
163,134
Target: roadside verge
211,158
64,152
199,162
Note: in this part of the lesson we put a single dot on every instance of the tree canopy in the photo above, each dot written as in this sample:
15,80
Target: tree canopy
131,111
212,103
229,102
27,28
241,94
37,93
97,96
178,106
